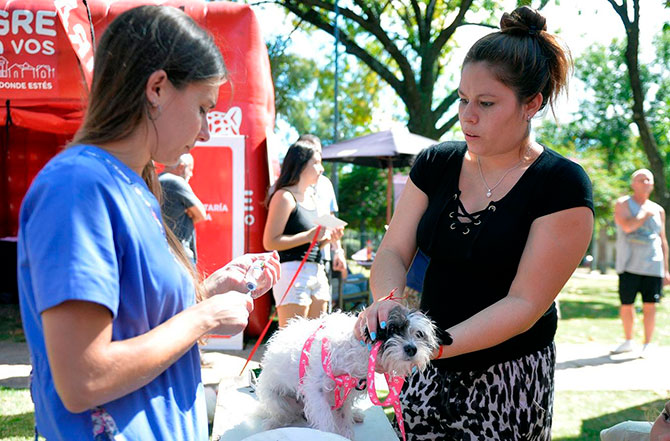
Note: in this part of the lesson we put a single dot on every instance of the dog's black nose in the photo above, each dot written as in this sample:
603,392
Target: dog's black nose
410,350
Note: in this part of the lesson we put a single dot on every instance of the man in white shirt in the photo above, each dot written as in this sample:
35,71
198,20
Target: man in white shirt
325,195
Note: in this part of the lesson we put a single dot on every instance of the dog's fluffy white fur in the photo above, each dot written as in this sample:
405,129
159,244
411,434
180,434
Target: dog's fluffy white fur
408,341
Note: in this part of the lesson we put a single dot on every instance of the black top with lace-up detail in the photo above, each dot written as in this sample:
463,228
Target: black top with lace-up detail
474,257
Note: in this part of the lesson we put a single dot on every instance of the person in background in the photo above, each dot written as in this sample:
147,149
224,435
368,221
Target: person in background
112,307
180,206
290,229
641,257
334,256
505,221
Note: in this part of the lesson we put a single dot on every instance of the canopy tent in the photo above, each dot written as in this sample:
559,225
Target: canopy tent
386,149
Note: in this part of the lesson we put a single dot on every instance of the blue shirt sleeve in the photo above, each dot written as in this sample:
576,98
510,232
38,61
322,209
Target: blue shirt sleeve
70,237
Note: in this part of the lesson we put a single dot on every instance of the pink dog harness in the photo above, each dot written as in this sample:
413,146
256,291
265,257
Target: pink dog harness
343,383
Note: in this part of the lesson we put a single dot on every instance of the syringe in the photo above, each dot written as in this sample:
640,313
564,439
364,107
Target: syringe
254,273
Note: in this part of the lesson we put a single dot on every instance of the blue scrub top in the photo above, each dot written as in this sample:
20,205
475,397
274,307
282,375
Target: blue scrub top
91,230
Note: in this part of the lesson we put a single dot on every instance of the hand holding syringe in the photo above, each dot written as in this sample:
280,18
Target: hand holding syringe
249,273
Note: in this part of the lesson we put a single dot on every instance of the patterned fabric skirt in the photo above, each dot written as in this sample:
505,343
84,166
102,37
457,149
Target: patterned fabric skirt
508,401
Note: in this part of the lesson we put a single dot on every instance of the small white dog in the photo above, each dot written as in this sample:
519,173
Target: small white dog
408,341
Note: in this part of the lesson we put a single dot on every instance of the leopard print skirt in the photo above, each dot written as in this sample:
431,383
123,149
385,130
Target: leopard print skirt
508,401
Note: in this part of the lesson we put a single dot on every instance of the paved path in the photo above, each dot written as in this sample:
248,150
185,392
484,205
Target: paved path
14,364
578,367
590,367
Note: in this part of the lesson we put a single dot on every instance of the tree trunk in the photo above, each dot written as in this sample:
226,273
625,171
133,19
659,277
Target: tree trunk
601,244
414,86
656,163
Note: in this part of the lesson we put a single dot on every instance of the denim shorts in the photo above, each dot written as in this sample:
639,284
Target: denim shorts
311,283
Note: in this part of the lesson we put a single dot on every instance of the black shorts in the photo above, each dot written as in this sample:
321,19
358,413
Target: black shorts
651,288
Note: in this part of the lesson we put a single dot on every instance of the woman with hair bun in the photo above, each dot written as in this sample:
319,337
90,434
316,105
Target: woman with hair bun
109,300
505,221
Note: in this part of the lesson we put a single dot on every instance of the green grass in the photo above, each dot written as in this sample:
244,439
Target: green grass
582,415
590,313
17,417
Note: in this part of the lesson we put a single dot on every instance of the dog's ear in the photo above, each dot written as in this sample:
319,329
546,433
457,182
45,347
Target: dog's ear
444,337
396,323
382,334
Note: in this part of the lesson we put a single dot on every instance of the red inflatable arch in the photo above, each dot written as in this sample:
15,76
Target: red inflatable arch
45,65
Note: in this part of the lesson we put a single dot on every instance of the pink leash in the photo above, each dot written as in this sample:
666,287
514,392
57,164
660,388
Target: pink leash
395,384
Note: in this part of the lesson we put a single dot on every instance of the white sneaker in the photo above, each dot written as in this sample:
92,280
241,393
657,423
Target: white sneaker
647,350
626,346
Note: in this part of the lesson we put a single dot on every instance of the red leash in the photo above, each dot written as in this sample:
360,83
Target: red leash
290,285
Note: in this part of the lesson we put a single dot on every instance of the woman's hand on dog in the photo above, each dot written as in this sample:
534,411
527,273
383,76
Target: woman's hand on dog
235,275
372,318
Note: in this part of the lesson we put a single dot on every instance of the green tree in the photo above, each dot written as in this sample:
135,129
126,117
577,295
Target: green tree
362,199
602,136
408,44
404,43
292,75
657,159
304,93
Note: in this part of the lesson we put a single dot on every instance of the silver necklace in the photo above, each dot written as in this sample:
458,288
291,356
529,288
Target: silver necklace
489,190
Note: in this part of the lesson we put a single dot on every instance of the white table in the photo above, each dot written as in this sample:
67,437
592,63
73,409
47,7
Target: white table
236,416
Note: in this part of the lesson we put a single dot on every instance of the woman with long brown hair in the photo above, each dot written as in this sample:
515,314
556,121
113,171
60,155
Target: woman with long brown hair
290,228
108,297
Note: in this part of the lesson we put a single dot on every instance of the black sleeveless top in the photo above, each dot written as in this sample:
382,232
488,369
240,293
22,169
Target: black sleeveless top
472,264
298,221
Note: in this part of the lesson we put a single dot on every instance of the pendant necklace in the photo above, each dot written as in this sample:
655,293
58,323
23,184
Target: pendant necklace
489,190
